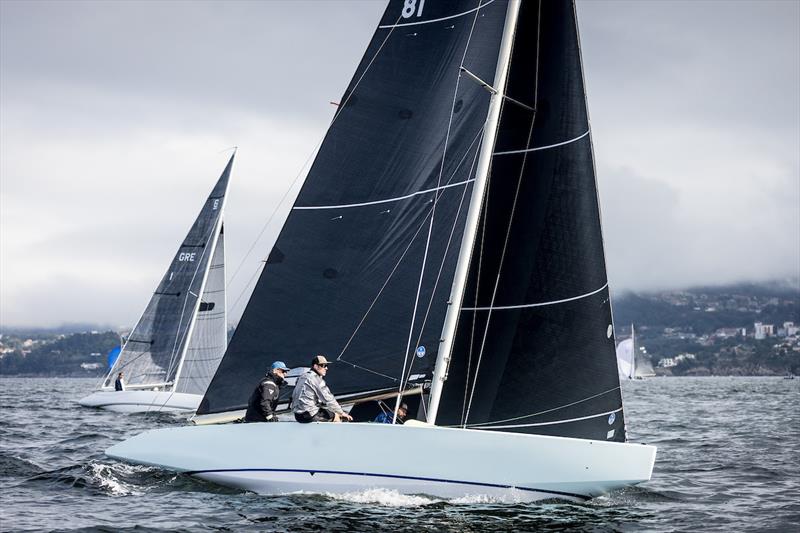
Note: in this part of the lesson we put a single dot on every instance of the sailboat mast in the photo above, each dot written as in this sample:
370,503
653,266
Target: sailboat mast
196,309
224,283
633,347
473,215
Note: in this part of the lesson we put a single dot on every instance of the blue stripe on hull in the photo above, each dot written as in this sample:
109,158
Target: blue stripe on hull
394,476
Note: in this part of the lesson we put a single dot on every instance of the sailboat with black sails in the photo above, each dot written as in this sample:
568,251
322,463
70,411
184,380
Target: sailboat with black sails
448,234
173,351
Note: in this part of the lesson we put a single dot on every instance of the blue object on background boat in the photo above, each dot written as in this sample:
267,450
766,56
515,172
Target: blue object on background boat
112,355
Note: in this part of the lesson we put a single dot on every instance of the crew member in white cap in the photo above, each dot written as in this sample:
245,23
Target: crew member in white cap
312,400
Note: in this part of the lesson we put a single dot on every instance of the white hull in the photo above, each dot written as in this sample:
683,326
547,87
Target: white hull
139,401
335,458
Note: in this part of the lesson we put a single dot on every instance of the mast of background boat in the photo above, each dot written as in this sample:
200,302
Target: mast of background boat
633,347
473,215
202,285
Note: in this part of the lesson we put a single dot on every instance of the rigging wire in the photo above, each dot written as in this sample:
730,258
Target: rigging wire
484,207
433,215
444,258
413,238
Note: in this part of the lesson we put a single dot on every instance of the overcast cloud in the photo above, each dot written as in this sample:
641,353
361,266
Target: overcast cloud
115,118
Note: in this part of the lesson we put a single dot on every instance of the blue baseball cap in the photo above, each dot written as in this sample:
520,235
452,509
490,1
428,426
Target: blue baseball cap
280,365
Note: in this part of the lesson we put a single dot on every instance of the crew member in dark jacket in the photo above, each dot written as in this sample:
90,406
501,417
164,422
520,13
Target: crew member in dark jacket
118,385
264,400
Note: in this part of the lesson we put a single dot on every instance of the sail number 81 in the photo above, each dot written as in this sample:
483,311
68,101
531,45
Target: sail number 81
409,6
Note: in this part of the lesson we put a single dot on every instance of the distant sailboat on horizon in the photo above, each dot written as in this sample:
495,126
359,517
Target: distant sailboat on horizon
172,353
632,360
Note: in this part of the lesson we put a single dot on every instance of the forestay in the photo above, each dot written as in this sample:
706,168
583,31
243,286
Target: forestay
534,345
363,267
153,352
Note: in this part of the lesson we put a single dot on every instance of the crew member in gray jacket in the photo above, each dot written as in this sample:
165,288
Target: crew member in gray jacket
312,400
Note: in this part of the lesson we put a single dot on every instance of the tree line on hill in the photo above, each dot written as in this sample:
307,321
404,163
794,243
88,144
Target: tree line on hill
63,357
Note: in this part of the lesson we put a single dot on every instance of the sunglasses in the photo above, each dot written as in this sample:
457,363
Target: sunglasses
323,365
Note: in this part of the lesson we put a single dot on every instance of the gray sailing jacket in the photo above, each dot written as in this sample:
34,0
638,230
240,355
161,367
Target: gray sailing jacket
311,393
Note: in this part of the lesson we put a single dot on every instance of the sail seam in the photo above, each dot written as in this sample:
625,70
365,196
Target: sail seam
374,202
552,423
540,304
547,410
537,148
385,26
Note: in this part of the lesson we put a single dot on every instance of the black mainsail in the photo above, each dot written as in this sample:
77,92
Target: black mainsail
154,353
363,267
534,346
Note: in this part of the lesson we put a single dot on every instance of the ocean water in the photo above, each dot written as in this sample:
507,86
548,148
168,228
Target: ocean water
728,460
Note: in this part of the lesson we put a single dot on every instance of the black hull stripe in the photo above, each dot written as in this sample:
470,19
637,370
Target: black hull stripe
393,476
152,406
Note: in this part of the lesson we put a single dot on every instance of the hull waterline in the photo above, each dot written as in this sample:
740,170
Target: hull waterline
140,401
442,462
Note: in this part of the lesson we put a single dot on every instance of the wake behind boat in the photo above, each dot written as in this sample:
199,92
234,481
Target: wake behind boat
173,351
446,241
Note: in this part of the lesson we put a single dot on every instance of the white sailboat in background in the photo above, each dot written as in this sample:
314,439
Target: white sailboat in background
632,360
446,240
173,351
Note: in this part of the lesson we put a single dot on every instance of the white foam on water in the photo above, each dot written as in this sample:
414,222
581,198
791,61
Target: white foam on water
474,498
106,475
509,496
385,497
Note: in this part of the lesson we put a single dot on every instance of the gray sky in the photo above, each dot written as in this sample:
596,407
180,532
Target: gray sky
115,117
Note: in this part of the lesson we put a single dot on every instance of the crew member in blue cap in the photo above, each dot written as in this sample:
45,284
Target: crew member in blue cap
264,400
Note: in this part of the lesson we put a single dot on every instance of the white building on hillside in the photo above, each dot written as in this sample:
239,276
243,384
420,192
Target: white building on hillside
762,331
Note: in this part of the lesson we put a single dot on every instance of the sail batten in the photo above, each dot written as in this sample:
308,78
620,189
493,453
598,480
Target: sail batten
498,425
387,200
440,19
546,147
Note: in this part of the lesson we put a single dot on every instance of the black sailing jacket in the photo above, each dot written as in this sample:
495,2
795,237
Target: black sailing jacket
264,400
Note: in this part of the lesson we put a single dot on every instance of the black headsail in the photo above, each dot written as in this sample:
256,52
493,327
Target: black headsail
363,266
534,347
152,353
